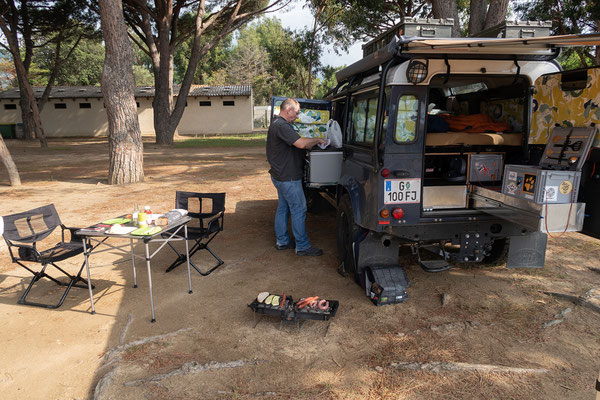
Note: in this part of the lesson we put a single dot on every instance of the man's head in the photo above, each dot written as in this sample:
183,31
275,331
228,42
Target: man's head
289,109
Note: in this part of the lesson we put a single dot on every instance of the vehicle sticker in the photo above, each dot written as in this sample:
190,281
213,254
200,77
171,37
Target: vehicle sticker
511,188
512,176
551,193
529,183
566,187
402,191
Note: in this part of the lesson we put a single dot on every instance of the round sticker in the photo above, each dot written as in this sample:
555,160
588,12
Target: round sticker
566,187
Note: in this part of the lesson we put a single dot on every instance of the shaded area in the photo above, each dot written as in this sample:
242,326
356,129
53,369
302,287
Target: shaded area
207,344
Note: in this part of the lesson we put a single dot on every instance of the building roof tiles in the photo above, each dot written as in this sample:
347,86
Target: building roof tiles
69,92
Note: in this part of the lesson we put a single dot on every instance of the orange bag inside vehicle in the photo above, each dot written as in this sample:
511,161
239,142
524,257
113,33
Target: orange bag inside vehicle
475,123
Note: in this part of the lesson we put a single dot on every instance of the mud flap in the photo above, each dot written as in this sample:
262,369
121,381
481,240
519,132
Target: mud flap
377,249
528,251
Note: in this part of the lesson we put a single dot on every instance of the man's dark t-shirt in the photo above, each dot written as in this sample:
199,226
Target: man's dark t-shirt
287,161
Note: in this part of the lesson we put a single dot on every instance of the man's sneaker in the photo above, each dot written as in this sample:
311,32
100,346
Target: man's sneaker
311,251
290,245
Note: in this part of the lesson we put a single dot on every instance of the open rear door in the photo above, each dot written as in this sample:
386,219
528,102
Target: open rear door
572,99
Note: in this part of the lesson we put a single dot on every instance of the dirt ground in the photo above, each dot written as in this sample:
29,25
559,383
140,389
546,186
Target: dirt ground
208,344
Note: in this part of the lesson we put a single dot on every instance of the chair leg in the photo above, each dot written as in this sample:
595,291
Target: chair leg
181,258
42,274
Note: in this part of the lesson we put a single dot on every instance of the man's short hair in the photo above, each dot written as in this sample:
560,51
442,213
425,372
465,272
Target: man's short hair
288,103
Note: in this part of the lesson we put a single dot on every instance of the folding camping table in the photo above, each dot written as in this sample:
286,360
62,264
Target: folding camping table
100,238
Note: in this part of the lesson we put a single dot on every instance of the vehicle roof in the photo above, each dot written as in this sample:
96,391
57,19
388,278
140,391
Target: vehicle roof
540,48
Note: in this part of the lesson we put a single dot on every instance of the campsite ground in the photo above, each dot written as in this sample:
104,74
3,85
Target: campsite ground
490,316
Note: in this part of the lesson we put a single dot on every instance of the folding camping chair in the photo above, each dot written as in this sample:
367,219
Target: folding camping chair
208,226
24,231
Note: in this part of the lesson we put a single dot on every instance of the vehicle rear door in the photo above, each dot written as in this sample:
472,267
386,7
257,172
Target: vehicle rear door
572,99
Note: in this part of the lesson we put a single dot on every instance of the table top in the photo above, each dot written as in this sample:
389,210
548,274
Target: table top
94,231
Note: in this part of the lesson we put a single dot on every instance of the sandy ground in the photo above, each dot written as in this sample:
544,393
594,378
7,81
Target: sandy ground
208,344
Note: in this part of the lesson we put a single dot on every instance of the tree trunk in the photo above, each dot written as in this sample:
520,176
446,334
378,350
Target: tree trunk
477,11
447,9
26,116
318,12
118,83
496,13
13,174
23,78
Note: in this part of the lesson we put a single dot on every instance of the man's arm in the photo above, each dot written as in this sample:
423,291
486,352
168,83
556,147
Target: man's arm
307,143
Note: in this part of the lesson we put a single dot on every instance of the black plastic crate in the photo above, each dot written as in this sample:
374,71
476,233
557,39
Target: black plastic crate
385,284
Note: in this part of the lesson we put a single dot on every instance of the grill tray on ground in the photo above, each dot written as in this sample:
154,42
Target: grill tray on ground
290,311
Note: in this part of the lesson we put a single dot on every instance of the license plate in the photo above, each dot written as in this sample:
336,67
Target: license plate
402,191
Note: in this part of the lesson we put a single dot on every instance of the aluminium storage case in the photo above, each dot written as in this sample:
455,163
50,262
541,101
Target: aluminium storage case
485,167
541,185
324,167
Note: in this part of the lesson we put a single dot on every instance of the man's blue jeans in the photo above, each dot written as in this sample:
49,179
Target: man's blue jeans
291,200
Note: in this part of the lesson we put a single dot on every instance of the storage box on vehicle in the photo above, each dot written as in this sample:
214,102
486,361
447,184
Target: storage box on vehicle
324,167
410,26
517,29
485,168
541,185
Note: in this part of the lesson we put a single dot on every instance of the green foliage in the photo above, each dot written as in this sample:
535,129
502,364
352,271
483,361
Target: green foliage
568,17
142,76
214,60
224,141
327,81
82,68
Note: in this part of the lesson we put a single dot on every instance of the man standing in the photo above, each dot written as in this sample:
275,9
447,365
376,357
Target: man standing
285,153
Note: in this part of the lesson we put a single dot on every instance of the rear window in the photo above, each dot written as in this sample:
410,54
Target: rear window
406,120
364,115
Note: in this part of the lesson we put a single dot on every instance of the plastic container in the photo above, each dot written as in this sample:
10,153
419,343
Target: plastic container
142,221
134,214
148,213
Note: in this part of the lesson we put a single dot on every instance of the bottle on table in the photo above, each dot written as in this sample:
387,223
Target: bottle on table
142,222
134,215
148,213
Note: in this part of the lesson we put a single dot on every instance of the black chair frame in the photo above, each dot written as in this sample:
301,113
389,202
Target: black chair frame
24,249
210,224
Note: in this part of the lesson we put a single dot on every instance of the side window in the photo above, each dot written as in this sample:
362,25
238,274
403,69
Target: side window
364,115
406,120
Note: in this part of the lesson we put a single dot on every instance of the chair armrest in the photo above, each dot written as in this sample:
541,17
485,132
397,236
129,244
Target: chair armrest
215,220
74,237
27,248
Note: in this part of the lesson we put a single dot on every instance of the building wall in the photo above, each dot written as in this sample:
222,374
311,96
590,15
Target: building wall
76,121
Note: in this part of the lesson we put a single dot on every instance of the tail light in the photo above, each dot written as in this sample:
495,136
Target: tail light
385,213
398,213
385,172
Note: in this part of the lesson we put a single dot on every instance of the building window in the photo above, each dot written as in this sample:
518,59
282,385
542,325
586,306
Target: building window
228,103
60,105
205,104
137,103
10,106
85,105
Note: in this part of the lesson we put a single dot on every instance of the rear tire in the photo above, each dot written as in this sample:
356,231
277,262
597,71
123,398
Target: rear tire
346,233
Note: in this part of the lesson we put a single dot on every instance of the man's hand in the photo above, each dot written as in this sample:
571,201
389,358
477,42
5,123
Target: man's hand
307,143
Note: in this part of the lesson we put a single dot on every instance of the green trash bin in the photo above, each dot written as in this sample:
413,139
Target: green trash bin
7,131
